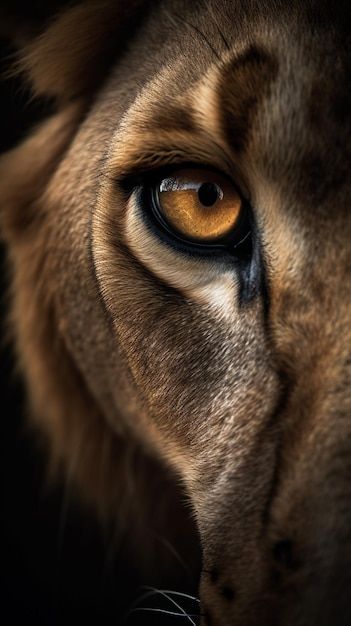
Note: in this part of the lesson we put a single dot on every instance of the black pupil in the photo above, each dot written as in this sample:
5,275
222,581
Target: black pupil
208,194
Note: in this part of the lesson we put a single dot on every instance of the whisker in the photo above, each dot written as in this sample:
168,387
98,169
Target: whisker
174,593
173,551
165,612
165,595
134,605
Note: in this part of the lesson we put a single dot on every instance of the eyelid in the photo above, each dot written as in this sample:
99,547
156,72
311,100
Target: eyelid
133,179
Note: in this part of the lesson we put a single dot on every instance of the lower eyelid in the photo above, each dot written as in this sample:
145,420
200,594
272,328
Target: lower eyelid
207,281
223,258
193,270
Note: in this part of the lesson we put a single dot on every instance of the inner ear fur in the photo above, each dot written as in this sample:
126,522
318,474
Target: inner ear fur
73,52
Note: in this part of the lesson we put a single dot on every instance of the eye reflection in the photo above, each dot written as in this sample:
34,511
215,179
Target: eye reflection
199,204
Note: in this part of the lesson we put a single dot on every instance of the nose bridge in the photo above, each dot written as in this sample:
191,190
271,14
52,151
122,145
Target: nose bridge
309,522
312,496
289,563
310,507
309,517
286,559
312,335
310,323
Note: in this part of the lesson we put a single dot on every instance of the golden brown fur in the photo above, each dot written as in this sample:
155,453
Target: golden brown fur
175,374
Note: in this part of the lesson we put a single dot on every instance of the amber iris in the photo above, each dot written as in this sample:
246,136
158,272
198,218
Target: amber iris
199,205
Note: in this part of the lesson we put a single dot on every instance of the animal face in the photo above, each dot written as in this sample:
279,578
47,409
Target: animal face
179,236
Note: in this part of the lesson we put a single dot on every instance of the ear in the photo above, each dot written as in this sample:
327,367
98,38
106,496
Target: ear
63,56
73,50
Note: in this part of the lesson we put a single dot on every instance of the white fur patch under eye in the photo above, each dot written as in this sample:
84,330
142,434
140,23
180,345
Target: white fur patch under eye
209,282
219,294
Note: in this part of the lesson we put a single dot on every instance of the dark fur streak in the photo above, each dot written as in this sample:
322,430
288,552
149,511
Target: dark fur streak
245,81
214,575
253,281
228,593
207,618
286,385
174,119
283,553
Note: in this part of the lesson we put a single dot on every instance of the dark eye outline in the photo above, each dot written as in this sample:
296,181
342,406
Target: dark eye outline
237,243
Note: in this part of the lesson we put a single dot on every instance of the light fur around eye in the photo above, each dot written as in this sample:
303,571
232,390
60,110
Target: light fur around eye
205,280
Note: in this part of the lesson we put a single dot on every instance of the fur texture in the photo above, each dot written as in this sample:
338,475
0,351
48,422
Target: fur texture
161,377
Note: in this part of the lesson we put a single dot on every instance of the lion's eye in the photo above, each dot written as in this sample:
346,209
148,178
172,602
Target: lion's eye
198,205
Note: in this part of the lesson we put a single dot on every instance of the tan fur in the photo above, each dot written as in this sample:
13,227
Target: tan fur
154,368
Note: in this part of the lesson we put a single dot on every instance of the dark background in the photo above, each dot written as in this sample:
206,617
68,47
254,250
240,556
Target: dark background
57,568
